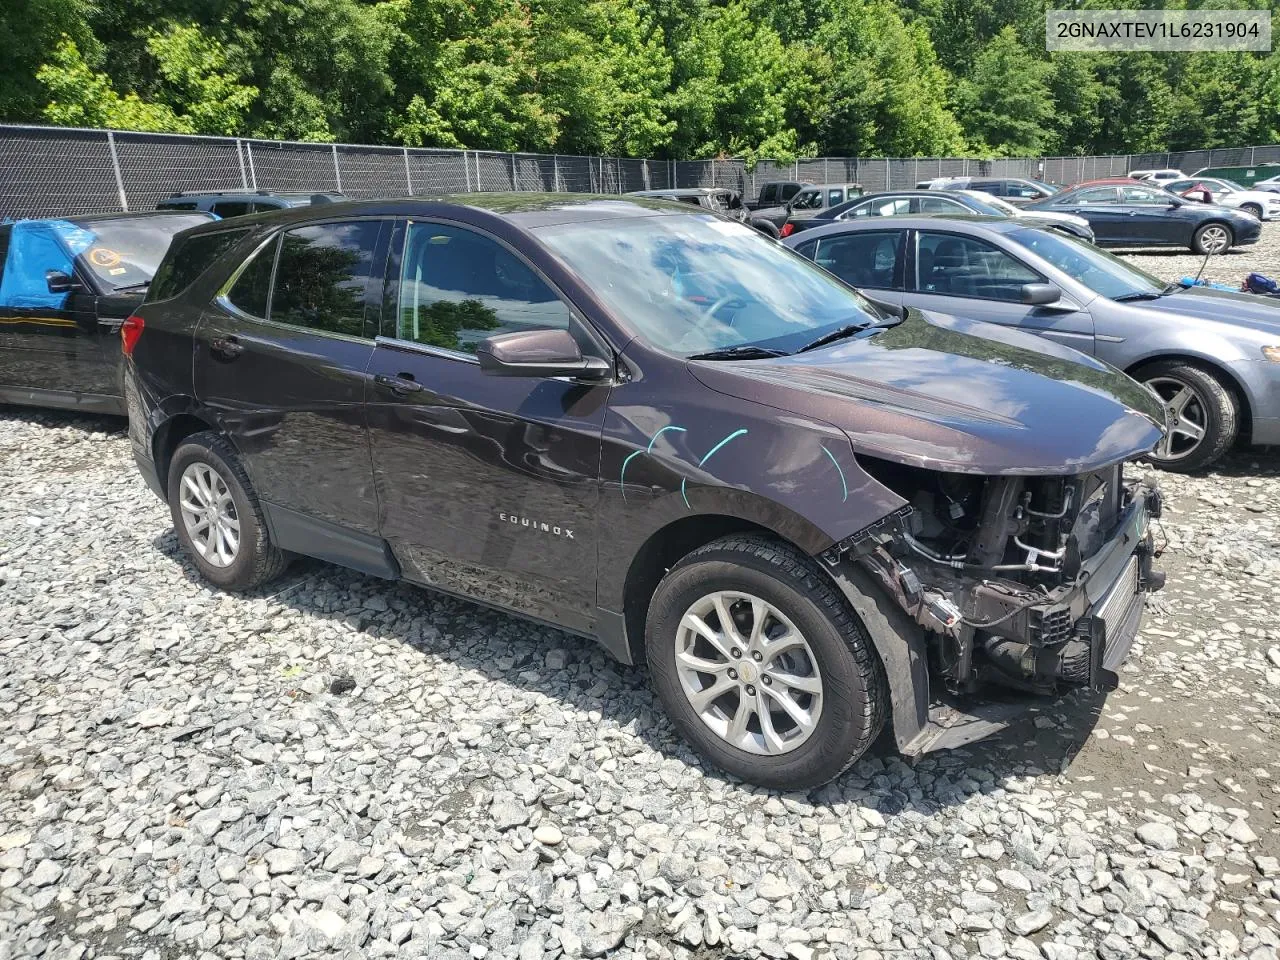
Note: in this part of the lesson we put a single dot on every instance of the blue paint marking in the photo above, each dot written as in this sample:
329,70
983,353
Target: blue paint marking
843,482
684,481
649,449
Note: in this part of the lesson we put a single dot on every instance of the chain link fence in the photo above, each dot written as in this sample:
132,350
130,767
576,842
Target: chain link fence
49,171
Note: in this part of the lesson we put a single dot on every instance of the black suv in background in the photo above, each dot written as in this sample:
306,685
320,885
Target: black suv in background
647,424
776,193
238,203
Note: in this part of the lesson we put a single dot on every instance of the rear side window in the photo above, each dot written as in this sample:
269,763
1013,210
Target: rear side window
231,208
863,259
323,275
188,257
252,291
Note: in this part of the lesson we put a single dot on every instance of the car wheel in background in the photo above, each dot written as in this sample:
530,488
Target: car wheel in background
767,227
1212,238
762,665
1201,415
217,516
1252,208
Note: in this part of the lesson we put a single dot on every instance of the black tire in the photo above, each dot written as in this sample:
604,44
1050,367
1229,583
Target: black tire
854,690
1252,208
767,227
1198,242
257,561
1220,415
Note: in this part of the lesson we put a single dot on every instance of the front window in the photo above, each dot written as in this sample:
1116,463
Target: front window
961,266
691,284
808,200
127,252
458,287
1094,195
1144,197
1098,270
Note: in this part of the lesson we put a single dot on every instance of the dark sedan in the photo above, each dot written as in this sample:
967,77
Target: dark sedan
1128,214
908,202
66,286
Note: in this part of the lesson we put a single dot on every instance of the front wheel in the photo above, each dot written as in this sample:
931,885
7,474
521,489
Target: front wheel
1252,208
1212,238
762,665
1200,415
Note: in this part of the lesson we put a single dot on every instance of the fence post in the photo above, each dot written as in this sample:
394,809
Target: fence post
466,168
513,173
244,180
555,173
337,174
795,166
408,176
1252,154
888,175
115,166
674,174
253,172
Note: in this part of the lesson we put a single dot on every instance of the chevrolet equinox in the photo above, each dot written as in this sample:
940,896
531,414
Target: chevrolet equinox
809,514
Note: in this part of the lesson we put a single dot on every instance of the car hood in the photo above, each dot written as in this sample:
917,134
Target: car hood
952,394
1049,216
1226,306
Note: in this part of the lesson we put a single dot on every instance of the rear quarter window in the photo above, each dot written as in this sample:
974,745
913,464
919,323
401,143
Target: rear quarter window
187,259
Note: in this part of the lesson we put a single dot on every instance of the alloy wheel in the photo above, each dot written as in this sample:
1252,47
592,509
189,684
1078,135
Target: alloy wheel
1215,239
748,673
1185,417
209,515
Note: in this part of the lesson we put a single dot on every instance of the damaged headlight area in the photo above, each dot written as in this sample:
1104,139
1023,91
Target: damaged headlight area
1031,582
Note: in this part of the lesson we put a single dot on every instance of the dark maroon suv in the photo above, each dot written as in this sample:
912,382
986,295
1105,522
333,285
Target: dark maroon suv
654,427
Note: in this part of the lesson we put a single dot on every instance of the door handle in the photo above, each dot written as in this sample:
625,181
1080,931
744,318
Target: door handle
402,384
228,348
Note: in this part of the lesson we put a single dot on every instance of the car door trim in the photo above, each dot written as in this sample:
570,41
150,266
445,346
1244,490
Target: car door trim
301,533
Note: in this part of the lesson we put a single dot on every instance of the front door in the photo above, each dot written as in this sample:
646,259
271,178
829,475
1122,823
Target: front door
488,484
1152,216
281,361
970,277
51,343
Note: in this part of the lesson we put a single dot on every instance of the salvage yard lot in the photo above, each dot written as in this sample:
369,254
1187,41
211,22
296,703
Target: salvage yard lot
338,765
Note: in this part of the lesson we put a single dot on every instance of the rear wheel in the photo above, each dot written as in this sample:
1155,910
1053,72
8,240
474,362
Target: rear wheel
217,516
1212,238
762,665
1200,412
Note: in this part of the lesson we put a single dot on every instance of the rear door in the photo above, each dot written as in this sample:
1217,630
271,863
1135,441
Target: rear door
488,485
281,361
51,342
871,260
972,277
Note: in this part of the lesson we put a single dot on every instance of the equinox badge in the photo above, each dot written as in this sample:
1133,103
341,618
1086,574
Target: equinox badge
537,525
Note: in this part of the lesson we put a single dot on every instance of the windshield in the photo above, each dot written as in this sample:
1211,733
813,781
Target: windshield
1230,184
1048,187
693,284
996,205
126,252
1099,271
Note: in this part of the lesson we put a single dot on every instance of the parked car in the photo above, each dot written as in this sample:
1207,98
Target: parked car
951,202
1014,190
1268,184
1127,214
66,286
1159,177
1263,205
776,193
635,421
716,199
1250,177
810,202
1212,356
238,203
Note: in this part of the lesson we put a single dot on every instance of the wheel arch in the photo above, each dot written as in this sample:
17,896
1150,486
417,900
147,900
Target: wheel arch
169,435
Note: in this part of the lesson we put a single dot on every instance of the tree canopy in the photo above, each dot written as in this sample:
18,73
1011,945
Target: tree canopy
656,78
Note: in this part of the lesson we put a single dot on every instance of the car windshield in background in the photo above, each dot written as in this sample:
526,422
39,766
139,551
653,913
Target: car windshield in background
696,284
1045,186
126,252
998,206
1096,269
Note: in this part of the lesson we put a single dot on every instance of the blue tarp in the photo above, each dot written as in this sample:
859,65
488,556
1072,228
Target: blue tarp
35,247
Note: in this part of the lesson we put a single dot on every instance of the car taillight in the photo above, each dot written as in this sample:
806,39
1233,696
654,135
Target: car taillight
130,331
787,229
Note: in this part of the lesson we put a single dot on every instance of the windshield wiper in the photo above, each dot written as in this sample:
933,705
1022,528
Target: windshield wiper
839,333
1127,297
132,286
745,351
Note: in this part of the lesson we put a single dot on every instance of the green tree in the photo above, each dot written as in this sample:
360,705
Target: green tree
1006,101
80,97
30,32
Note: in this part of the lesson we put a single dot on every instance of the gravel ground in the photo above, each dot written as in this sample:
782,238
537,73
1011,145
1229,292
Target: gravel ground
345,767
1231,267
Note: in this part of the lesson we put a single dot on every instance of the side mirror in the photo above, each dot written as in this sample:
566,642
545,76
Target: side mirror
59,282
538,353
1040,294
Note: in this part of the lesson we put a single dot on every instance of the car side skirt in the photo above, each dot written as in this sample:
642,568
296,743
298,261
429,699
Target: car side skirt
63,400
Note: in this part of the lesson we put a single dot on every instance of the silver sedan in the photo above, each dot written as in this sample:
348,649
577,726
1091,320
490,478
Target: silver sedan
1212,356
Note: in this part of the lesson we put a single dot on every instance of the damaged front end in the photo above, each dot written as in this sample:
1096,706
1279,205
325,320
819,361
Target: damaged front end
1027,583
